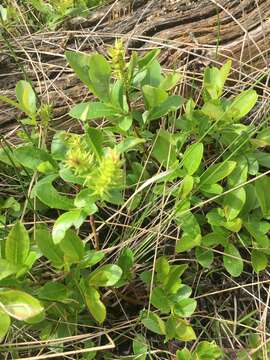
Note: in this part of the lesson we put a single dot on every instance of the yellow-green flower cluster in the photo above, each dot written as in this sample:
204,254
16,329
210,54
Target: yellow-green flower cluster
78,157
117,54
108,175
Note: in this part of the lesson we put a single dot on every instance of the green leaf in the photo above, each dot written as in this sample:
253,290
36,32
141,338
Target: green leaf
106,275
126,260
170,81
59,145
153,76
94,138
239,174
7,268
125,123
53,291
262,139
162,269
262,186
217,172
65,222
242,104
153,96
99,74
172,103
159,299
17,245
213,239
94,304
233,203
148,58
93,110
204,257
80,64
173,282
4,324
183,354
140,347
179,329
51,251
214,79
192,158
50,196
31,157
164,149
153,322
186,186
129,143
185,307
19,304
72,247
86,199
259,260
26,97
91,258
233,262
207,351
187,242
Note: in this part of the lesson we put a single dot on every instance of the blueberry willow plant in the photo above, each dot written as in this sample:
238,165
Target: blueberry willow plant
78,175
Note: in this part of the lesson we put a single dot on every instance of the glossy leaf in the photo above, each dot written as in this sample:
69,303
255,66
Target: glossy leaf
262,186
170,81
106,275
94,138
233,262
53,291
51,251
172,103
164,150
94,304
17,245
92,110
207,351
259,260
162,269
7,268
179,329
183,354
80,64
72,247
4,324
140,347
217,172
153,96
192,158
99,74
173,282
91,258
186,186
243,103
47,194
66,221
160,301
185,307
26,97
233,203
19,304
31,157
153,322
204,257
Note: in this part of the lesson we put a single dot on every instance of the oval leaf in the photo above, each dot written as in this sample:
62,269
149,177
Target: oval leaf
19,304
232,261
17,244
107,275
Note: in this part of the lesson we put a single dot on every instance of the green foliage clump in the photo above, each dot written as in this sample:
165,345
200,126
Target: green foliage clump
136,134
